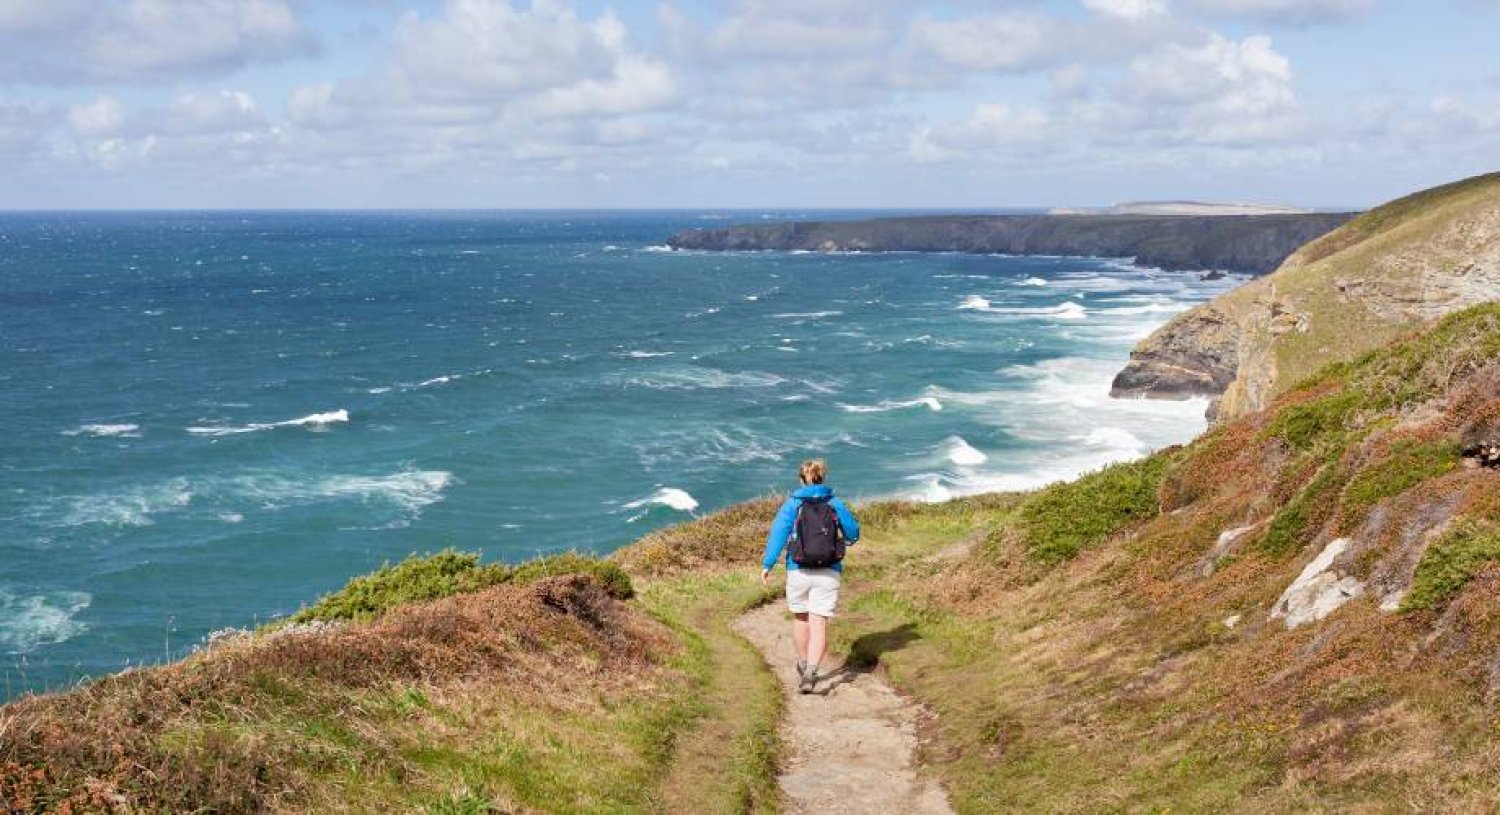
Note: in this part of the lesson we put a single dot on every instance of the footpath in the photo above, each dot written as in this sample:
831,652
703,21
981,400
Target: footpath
851,746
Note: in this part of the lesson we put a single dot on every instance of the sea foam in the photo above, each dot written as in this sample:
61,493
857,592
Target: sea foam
670,497
131,431
961,453
930,402
314,421
30,621
1063,311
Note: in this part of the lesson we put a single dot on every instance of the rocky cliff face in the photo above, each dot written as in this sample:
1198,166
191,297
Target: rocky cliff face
1242,243
1382,275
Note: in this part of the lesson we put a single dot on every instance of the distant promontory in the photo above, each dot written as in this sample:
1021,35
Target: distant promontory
1252,244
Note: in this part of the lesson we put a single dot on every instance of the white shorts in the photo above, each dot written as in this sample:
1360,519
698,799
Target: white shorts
814,591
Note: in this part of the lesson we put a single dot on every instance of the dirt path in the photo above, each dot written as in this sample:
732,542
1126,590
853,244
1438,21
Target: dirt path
852,744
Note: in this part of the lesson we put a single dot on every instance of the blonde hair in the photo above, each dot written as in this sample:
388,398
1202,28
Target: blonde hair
813,471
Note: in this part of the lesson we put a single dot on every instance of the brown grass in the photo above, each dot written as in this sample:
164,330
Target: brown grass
262,723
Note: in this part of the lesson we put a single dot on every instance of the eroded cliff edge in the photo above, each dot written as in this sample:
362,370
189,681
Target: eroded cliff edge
1380,276
1252,244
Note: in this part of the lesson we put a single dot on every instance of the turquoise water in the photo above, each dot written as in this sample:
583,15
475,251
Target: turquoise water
211,418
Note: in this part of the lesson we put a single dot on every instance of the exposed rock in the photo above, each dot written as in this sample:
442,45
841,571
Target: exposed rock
1252,244
1194,355
1319,590
1376,278
1228,541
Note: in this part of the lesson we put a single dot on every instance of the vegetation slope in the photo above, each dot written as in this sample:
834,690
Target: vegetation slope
1299,611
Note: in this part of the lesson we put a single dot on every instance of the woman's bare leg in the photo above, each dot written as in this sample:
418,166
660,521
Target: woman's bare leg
800,636
817,639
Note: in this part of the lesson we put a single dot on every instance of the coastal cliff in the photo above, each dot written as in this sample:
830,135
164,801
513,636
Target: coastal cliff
1252,244
1376,278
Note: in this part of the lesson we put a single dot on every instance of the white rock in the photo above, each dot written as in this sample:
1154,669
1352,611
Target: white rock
1318,591
1231,621
1392,601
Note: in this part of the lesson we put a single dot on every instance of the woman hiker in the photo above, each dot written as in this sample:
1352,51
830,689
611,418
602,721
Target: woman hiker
813,528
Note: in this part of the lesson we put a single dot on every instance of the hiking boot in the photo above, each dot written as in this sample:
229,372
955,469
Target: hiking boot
809,680
801,669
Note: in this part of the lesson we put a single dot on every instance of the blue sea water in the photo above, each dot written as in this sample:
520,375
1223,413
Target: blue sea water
211,418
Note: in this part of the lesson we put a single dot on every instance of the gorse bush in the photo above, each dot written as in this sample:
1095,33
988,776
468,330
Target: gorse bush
1061,520
446,573
1408,464
1451,562
1294,525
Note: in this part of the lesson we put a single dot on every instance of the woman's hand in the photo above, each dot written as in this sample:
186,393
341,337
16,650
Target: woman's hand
765,577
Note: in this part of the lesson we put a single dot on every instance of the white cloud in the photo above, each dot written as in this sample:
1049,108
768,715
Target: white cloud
1293,12
225,111
143,41
991,127
100,117
1468,117
1246,77
485,65
1128,9
1000,41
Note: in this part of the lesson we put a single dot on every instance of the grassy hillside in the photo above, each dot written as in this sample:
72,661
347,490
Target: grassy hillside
1389,271
1300,611
435,685
1143,667
1383,274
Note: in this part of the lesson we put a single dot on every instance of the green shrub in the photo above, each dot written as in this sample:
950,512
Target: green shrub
1061,520
608,574
428,577
1294,525
1306,424
1409,464
1451,562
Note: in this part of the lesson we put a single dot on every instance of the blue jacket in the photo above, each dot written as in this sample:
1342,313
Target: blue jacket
786,518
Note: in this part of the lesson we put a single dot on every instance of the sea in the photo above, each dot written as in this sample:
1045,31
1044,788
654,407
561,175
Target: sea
209,419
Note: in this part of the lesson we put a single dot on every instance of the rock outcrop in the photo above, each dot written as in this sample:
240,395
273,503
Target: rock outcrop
1198,356
1376,278
1252,244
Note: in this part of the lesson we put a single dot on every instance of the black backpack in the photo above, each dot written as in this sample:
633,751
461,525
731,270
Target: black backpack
817,538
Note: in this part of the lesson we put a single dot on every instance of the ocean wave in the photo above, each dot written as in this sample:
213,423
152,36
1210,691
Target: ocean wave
129,431
132,506
670,497
1032,281
657,249
407,490
1046,405
31,621
314,421
224,498
686,377
1116,439
807,315
960,452
647,354
1063,311
930,402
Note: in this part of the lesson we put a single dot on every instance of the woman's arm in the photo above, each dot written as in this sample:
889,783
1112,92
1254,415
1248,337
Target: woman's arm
781,530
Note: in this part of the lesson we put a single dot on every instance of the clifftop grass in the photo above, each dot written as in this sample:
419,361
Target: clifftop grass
421,578
1141,627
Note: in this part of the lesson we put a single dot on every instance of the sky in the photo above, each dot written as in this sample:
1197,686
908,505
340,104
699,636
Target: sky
742,103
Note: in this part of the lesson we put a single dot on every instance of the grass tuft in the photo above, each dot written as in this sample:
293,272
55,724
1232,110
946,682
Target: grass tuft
1063,519
1451,562
420,578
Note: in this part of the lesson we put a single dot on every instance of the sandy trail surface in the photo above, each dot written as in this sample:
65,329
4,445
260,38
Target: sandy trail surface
851,745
